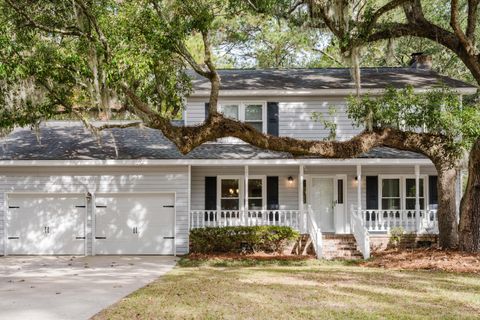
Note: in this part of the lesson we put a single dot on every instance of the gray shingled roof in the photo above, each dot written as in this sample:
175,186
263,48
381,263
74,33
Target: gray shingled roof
328,78
71,141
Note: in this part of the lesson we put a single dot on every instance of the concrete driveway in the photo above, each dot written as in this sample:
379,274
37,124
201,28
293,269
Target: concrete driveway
72,287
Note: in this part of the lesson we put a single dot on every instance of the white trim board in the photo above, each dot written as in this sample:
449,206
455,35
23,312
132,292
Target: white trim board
314,92
212,162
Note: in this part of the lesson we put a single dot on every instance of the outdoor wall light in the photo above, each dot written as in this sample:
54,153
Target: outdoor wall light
290,179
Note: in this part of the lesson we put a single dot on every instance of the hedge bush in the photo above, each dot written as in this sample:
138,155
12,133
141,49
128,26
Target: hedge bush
241,239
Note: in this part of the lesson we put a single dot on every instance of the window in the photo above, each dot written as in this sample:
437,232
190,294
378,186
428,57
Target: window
251,113
391,194
410,194
340,191
230,194
305,191
230,111
254,116
255,194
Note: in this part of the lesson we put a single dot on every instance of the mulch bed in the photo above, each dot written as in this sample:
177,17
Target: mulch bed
252,256
426,259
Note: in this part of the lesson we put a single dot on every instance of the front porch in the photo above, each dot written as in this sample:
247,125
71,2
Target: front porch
362,199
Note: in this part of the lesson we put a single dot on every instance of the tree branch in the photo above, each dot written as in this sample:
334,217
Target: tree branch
472,19
456,25
383,10
98,30
73,32
119,125
212,76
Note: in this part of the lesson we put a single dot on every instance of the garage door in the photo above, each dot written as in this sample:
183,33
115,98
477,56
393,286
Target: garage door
46,224
134,224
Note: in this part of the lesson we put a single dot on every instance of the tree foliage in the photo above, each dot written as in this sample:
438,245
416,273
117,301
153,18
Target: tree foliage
439,111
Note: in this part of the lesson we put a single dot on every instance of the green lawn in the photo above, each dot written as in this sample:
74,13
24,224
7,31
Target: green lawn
300,290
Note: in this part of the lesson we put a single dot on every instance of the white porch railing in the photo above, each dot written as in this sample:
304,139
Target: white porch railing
224,218
361,234
385,220
315,233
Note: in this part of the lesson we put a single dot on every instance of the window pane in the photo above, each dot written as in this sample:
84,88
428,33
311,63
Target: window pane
229,204
257,125
253,112
410,186
230,188
305,191
410,204
391,204
255,188
255,204
391,188
230,111
340,191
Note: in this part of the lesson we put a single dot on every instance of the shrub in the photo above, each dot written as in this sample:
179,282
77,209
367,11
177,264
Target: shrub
396,235
241,239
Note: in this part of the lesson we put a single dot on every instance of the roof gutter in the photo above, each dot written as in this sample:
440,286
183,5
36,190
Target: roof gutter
314,92
210,162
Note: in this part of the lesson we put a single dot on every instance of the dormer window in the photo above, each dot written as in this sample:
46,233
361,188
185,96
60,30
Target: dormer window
253,113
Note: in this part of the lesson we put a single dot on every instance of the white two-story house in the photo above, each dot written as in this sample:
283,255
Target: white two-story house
63,191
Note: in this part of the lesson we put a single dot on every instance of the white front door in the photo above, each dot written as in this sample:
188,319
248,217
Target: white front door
46,224
134,224
322,202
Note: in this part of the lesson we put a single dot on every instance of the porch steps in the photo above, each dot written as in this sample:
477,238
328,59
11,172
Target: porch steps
340,247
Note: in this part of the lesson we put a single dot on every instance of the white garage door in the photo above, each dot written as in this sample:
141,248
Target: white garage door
46,224
134,224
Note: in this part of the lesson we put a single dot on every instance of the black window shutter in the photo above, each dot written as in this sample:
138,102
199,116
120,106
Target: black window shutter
372,192
272,118
432,190
210,193
207,106
272,193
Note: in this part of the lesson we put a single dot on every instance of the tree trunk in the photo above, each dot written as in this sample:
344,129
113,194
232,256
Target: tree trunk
447,208
470,206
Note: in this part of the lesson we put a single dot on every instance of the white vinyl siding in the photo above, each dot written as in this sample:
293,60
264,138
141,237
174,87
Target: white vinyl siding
101,180
370,170
195,112
295,115
287,193
295,120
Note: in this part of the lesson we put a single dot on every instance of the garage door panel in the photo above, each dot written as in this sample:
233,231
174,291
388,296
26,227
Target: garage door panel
46,224
135,224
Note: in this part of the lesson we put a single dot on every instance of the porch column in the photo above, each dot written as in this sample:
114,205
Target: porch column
417,198
359,189
300,200
245,206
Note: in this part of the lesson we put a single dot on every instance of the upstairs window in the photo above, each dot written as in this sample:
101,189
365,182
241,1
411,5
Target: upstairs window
252,113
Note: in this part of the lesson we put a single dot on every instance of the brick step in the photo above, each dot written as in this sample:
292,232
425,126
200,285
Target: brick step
342,254
340,247
329,243
338,237
343,258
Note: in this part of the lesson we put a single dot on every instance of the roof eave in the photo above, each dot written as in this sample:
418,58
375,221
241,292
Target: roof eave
314,92
212,162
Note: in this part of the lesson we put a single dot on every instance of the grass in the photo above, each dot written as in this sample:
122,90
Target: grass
311,289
